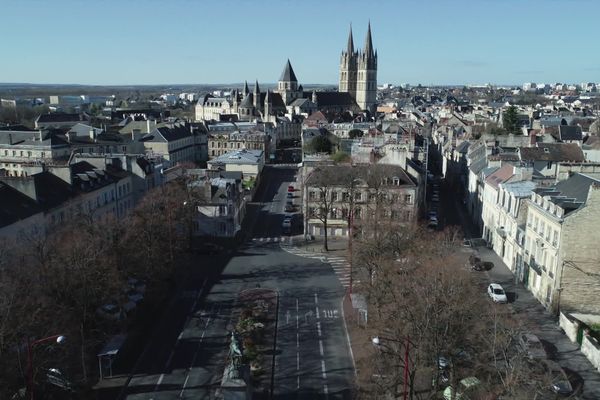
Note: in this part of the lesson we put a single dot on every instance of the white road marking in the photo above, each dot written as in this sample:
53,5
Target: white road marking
348,336
321,349
297,349
317,312
319,328
197,351
316,299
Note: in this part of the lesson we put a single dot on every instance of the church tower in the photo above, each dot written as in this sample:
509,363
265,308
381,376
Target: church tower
366,80
358,72
348,67
287,86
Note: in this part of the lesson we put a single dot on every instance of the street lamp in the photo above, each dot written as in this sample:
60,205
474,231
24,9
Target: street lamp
30,345
378,342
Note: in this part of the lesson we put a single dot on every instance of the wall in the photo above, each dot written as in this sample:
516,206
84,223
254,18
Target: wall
580,253
591,349
570,326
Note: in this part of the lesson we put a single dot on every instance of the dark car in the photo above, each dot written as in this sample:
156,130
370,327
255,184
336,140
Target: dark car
473,259
208,248
289,207
482,266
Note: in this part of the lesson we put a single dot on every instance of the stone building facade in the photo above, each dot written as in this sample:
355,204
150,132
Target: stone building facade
358,72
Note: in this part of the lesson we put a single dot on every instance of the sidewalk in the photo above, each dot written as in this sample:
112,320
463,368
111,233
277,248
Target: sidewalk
539,321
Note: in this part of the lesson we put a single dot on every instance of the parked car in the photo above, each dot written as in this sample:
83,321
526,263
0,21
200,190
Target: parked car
559,381
474,259
435,198
496,293
432,214
208,248
110,311
136,284
467,387
287,223
289,207
291,188
290,195
532,347
482,266
134,296
56,378
432,224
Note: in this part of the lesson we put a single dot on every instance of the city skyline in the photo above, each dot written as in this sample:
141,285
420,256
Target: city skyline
185,42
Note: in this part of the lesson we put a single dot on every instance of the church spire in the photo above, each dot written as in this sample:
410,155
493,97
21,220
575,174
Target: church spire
350,48
288,74
246,90
369,43
256,89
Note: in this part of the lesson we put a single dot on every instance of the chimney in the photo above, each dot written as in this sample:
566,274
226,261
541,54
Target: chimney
40,133
10,141
92,133
147,126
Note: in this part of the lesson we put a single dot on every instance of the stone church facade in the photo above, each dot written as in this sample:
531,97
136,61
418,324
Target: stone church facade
357,92
358,72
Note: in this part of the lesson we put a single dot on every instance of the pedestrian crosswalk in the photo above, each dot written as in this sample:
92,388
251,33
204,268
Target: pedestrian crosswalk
340,265
276,239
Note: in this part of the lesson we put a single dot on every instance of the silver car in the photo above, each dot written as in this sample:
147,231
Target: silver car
531,346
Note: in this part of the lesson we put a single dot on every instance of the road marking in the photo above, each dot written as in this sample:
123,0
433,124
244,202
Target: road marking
317,312
321,349
330,313
184,385
198,350
319,328
316,299
287,317
348,336
297,349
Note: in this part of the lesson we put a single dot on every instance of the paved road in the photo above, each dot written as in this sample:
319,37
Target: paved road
185,356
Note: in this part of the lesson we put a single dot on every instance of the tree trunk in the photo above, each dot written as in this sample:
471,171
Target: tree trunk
83,366
325,247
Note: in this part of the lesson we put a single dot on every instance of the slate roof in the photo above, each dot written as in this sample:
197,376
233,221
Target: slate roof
288,74
15,206
51,191
366,173
248,101
172,133
569,132
325,99
501,175
571,193
552,152
58,117
577,186
243,156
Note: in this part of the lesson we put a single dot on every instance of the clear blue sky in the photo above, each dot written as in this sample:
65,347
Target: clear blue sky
223,41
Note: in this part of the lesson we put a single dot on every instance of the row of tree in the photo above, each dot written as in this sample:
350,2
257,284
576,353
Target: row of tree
432,318
53,281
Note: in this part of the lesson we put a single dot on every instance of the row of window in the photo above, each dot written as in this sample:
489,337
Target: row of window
343,213
76,211
541,228
360,196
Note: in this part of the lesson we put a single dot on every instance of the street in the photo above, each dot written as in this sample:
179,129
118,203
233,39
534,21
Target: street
185,357
532,315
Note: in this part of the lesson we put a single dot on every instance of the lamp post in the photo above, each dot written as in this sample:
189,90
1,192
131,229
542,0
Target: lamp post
377,341
350,234
30,345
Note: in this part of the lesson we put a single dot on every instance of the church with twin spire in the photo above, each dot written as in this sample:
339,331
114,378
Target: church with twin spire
357,91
